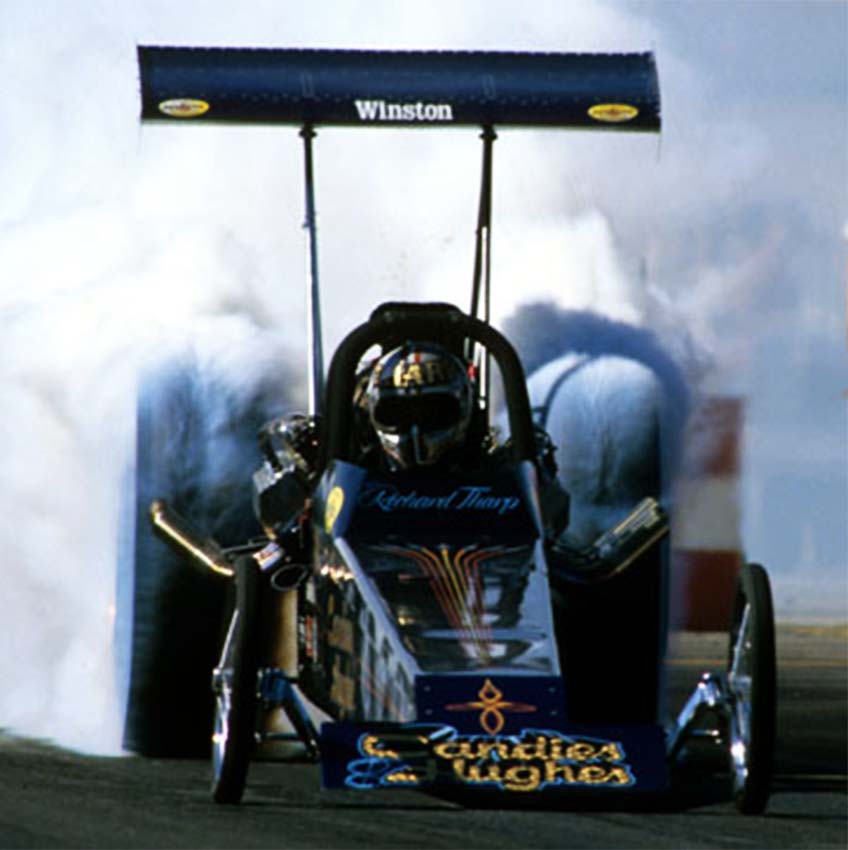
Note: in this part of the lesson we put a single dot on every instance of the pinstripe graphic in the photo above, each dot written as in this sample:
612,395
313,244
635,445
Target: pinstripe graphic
492,706
457,585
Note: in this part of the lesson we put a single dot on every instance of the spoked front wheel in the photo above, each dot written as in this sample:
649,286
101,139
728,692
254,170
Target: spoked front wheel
752,682
235,685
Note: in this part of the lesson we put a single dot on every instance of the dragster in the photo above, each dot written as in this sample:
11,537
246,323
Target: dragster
437,619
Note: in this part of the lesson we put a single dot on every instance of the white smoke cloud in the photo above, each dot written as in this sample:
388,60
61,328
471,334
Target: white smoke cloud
590,273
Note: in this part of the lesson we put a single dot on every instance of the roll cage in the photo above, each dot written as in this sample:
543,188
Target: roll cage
392,324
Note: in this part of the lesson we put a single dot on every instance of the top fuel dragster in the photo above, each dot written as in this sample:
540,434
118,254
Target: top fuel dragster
436,615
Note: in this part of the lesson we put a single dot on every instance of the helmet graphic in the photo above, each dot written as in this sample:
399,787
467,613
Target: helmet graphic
420,401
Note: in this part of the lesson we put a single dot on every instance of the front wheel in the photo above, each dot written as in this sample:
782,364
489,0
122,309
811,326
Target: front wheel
234,682
752,680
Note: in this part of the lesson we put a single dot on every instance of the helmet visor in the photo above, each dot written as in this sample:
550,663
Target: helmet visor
429,412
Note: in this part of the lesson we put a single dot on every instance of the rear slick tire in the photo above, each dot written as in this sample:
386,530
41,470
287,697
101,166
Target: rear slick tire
169,614
195,447
752,679
235,683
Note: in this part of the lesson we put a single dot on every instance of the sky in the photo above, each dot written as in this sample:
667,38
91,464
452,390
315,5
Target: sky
122,245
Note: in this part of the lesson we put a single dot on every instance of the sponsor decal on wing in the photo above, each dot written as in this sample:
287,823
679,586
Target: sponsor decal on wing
381,110
183,107
613,113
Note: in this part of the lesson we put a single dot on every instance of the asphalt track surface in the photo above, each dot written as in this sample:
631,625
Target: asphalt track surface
53,798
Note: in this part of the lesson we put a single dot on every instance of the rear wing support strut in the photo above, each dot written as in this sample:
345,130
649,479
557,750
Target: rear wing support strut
482,281
313,303
354,88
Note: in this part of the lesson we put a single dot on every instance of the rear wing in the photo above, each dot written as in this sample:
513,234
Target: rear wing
400,88
421,88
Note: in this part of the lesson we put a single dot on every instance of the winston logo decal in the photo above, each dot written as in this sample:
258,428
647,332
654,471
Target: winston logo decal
381,110
534,760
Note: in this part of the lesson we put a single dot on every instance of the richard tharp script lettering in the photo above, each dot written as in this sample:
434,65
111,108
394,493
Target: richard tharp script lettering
469,498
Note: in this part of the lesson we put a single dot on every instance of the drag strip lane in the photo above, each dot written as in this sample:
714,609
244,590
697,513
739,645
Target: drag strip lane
54,798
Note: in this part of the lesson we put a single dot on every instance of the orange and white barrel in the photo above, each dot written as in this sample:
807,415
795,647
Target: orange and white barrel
706,536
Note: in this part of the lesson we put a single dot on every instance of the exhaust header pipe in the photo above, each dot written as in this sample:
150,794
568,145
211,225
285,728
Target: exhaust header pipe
614,550
177,531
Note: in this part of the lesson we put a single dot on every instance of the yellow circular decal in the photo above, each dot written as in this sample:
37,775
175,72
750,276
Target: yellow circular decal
183,107
613,113
334,507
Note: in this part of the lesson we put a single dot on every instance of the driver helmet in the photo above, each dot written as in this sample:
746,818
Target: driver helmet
420,402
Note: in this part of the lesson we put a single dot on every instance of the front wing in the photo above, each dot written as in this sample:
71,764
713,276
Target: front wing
491,743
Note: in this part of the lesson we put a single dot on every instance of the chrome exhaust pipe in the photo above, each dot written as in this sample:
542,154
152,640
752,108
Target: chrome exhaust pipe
646,524
187,540
614,550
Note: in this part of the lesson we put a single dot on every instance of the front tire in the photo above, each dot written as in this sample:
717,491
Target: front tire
752,680
235,685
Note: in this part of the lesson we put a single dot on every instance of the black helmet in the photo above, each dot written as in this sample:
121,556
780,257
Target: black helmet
420,401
